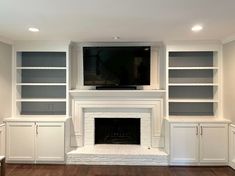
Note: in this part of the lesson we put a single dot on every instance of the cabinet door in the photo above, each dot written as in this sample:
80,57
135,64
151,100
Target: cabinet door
184,144
213,143
2,140
20,141
50,142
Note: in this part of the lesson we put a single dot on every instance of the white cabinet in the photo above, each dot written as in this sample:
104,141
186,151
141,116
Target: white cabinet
35,142
184,143
198,143
20,141
2,140
50,142
213,143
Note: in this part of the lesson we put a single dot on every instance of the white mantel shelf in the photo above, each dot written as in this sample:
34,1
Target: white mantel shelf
117,93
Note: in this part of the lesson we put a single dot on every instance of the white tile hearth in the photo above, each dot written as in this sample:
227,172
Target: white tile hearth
117,155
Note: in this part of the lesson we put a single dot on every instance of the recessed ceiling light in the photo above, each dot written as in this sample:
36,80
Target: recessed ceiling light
197,28
116,37
33,29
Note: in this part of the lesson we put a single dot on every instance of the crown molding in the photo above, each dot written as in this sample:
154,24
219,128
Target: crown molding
228,39
6,40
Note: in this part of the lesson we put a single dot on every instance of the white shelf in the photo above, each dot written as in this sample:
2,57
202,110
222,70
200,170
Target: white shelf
38,118
193,68
148,94
41,84
41,68
121,91
196,119
192,84
193,100
41,100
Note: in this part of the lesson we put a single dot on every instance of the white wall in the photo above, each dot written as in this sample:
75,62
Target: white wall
5,80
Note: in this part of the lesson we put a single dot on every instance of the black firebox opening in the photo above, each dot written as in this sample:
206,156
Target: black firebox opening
117,130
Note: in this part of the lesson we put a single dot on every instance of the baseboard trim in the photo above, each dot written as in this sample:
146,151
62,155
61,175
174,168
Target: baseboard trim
232,164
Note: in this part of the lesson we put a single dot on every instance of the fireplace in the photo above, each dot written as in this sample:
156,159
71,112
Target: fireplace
117,131
96,124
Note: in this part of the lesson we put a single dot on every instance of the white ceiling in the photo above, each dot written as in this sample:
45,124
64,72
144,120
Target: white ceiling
132,20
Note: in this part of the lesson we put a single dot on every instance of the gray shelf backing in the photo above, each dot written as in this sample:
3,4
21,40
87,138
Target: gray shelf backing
43,59
43,76
191,76
43,92
191,59
191,109
43,108
191,92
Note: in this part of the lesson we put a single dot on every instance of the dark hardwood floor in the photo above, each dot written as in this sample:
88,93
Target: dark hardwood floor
77,170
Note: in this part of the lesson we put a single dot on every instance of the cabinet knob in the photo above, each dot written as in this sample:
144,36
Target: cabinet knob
201,131
197,130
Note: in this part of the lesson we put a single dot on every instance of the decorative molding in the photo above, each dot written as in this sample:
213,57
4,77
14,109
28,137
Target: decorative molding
117,94
232,146
6,40
228,39
192,42
154,105
2,140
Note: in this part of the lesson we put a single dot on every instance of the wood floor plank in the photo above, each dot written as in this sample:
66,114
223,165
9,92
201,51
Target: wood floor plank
85,170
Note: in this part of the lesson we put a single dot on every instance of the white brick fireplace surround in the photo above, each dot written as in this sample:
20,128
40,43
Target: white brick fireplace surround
89,128
148,110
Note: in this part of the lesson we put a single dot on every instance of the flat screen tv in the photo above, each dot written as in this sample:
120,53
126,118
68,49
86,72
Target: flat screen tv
116,66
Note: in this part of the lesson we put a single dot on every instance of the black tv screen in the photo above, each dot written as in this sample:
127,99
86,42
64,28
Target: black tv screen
116,66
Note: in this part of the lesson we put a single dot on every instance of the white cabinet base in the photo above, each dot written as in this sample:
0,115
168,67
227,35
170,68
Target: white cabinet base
184,142
20,141
232,146
50,142
35,142
199,144
214,143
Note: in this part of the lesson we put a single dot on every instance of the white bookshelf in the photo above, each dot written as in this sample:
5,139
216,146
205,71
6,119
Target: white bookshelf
193,83
41,80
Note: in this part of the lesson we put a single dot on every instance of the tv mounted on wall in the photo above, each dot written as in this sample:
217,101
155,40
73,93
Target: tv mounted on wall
116,67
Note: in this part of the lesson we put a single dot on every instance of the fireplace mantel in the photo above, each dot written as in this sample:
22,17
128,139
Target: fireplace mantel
119,101
86,94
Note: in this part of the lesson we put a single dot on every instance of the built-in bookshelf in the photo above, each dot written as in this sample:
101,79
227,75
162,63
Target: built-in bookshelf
41,83
193,83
